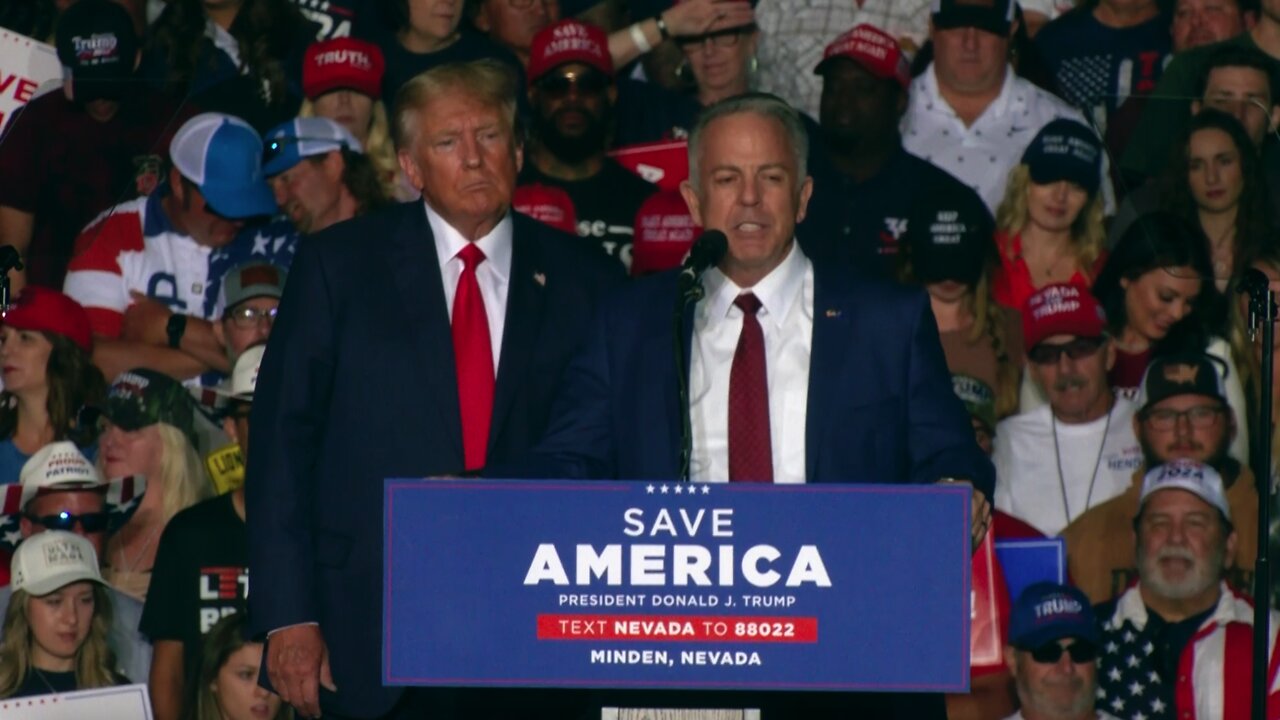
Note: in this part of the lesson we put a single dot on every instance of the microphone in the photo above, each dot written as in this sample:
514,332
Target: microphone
1257,286
706,252
1252,281
9,260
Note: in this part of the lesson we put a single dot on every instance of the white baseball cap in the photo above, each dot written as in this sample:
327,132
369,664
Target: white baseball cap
244,376
222,155
51,560
57,465
1196,478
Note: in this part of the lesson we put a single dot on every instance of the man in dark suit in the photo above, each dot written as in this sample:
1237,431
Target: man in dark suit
797,371
418,341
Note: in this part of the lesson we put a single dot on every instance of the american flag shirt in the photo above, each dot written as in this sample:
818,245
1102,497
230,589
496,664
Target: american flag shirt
1210,678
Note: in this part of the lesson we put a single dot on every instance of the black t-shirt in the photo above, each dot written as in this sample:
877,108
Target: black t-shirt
201,574
862,222
45,682
402,64
1171,638
647,112
605,205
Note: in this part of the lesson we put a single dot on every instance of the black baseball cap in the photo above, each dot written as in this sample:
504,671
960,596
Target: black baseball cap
949,236
1187,373
98,49
993,16
1065,150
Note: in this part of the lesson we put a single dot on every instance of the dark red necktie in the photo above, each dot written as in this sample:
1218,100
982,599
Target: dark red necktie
473,358
750,455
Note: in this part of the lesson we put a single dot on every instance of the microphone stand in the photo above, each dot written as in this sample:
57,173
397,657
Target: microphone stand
689,294
9,260
1262,312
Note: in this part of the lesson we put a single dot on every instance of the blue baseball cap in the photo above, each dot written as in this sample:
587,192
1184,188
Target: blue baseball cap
1065,150
1046,612
288,143
222,155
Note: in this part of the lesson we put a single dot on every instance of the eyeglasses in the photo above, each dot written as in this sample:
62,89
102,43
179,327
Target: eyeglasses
90,522
275,148
720,38
556,87
1078,349
249,317
1080,652
1201,416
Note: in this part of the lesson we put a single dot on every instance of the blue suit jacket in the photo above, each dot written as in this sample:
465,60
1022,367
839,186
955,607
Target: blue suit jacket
880,405
358,385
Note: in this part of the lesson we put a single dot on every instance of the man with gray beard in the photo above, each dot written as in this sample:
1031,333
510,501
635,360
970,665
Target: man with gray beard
1055,462
1179,642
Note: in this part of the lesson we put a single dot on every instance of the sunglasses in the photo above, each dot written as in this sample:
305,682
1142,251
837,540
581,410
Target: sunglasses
90,522
556,87
1078,349
1080,652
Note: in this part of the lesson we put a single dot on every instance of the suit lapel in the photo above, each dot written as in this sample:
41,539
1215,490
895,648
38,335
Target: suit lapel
415,269
526,294
832,319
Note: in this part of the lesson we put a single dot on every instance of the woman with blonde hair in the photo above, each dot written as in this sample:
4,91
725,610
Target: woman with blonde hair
1049,227
228,684
58,620
149,431
947,248
342,81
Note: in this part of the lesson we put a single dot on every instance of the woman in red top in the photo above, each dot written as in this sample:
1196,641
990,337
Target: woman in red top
1049,227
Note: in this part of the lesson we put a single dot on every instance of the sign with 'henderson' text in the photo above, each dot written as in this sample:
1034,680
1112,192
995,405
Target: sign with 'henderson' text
676,585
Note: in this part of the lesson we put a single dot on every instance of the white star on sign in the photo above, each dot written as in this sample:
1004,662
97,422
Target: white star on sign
679,489
1136,688
649,489
664,489
706,489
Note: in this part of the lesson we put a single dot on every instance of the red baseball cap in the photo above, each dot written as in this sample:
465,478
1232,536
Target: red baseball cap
664,233
342,63
569,41
46,310
1061,310
548,205
872,48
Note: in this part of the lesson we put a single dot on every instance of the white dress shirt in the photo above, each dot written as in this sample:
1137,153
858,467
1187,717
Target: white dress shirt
492,275
980,155
786,319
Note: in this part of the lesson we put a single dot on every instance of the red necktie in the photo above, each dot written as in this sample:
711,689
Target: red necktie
750,455
473,358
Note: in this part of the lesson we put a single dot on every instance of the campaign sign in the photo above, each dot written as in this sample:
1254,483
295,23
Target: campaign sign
25,64
123,702
676,585
1026,562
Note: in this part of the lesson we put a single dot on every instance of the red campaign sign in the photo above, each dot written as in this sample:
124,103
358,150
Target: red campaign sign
990,606
725,628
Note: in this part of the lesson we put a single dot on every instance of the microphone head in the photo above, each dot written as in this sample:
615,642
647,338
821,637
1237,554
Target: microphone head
1253,280
709,249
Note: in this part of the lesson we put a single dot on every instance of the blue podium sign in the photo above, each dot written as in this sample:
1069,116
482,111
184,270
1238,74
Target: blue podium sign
676,585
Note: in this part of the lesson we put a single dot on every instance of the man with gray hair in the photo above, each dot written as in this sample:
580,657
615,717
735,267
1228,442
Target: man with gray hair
470,312
788,371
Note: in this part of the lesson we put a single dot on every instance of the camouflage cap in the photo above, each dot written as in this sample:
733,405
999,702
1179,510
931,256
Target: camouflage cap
141,397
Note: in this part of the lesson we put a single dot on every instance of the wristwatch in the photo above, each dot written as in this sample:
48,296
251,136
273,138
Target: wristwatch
175,328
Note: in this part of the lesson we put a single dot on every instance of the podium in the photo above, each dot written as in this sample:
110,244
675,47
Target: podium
676,586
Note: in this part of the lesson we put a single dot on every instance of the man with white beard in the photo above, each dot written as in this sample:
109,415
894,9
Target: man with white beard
1178,643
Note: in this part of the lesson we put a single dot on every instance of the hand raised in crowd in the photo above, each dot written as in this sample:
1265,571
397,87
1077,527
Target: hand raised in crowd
298,665
698,17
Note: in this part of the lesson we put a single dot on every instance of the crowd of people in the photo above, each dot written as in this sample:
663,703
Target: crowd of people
347,194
